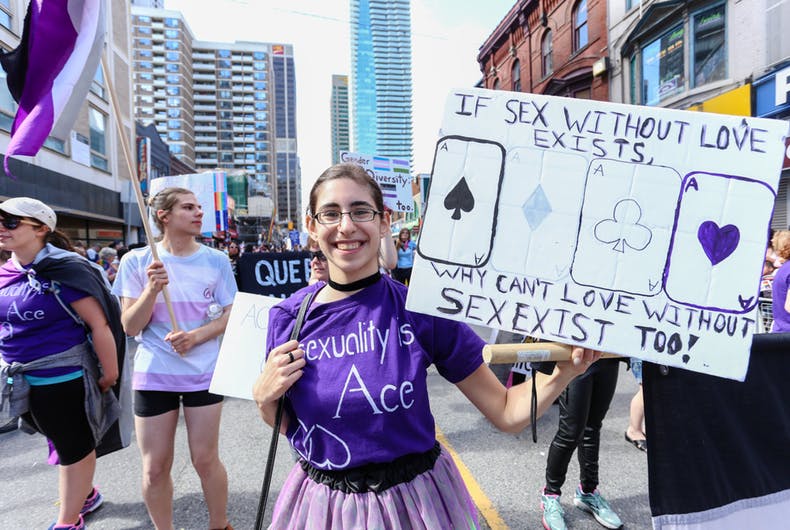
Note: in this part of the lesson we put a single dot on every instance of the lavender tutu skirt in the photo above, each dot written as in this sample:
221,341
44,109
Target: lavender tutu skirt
434,499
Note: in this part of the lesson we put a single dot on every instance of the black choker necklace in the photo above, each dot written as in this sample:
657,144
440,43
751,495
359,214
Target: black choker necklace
357,285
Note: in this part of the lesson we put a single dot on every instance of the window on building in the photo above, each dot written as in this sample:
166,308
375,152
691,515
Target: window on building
171,44
98,138
143,19
545,52
171,56
174,136
171,34
97,85
173,90
259,65
173,113
171,68
7,104
259,56
173,79
173,124
663,67
580,35
5,13
515,76
176,149
259,76
143,42
224,74
632,3
259,85
144,30
691,54
224,63
171,22
709,56
224,53
173,102
148,54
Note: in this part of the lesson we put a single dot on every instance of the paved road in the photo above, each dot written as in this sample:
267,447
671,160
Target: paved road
508,469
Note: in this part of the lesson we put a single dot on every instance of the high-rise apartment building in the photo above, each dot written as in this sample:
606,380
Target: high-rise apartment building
219,105
288,201
339,116
381,77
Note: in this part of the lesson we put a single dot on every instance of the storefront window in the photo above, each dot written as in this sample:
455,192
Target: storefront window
709,45
662,67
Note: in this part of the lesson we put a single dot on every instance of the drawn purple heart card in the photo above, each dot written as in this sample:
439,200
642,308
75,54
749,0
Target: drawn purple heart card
718,242
718,246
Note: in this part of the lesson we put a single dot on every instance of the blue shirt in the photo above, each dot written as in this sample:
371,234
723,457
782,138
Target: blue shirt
406,257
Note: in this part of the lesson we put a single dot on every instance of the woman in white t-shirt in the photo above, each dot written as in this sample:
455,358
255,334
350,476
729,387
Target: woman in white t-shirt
175,366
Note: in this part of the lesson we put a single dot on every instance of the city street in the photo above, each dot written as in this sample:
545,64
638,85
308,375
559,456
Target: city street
507,470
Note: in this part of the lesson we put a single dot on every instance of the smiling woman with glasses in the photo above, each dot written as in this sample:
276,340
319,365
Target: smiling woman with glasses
360,378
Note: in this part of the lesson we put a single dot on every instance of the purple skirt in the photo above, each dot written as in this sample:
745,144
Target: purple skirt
434,499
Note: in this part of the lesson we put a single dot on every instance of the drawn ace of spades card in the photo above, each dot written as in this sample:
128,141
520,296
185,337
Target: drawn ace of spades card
541,196
461,215
718,246
626,226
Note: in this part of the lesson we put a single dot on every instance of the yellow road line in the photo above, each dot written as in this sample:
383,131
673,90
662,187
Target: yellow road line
481,500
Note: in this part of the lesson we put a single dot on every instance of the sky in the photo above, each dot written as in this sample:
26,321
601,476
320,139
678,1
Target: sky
446,37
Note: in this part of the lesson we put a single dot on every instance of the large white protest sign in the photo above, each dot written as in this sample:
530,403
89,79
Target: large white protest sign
393,176
243,349
210,188
634,230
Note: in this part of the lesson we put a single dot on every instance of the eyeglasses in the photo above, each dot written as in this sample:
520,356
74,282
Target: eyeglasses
12,223
317,254
358,215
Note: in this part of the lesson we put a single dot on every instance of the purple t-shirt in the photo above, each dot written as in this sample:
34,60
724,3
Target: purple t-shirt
32,322
779,295
363,396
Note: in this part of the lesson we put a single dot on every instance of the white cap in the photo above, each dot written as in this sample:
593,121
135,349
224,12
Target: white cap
33,208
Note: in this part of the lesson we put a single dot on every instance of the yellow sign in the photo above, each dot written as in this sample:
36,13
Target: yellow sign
736,102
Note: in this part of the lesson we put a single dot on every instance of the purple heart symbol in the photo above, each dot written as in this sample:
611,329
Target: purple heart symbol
718,243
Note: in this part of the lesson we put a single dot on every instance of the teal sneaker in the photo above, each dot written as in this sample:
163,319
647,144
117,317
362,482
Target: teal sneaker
552,512
595,504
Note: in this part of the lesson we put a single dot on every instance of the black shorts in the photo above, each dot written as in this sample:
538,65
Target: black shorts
149,403
58,412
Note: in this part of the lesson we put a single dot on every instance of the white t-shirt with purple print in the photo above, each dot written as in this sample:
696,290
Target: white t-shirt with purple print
363,397
196,282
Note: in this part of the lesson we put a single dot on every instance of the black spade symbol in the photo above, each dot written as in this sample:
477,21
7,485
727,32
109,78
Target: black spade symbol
460,198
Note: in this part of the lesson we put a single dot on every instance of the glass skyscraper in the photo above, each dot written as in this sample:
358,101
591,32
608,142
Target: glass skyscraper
381,77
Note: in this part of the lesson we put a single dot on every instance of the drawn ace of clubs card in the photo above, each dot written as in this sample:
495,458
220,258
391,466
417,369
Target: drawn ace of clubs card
461,215
718,246
626,226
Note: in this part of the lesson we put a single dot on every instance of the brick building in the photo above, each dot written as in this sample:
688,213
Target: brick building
552,47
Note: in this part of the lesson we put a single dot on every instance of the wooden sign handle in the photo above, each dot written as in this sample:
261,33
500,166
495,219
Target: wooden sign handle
529,352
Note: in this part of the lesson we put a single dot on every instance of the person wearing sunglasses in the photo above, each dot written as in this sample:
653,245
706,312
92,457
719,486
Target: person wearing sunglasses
318,270
56,385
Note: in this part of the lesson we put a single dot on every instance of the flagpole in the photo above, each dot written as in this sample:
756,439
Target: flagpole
138,193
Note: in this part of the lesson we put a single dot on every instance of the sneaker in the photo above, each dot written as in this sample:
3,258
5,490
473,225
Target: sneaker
92,503
552,512
79,525
595,504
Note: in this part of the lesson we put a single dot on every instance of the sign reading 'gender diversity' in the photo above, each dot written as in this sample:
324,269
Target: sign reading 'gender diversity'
635,230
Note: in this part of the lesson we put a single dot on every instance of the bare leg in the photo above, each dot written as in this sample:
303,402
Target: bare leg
203,434
637,417
75,483
155,436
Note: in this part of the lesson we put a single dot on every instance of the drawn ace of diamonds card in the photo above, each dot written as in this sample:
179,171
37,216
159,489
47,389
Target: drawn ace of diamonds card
634,230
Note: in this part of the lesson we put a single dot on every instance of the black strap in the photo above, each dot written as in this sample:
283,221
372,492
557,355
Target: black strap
267,476
533,406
